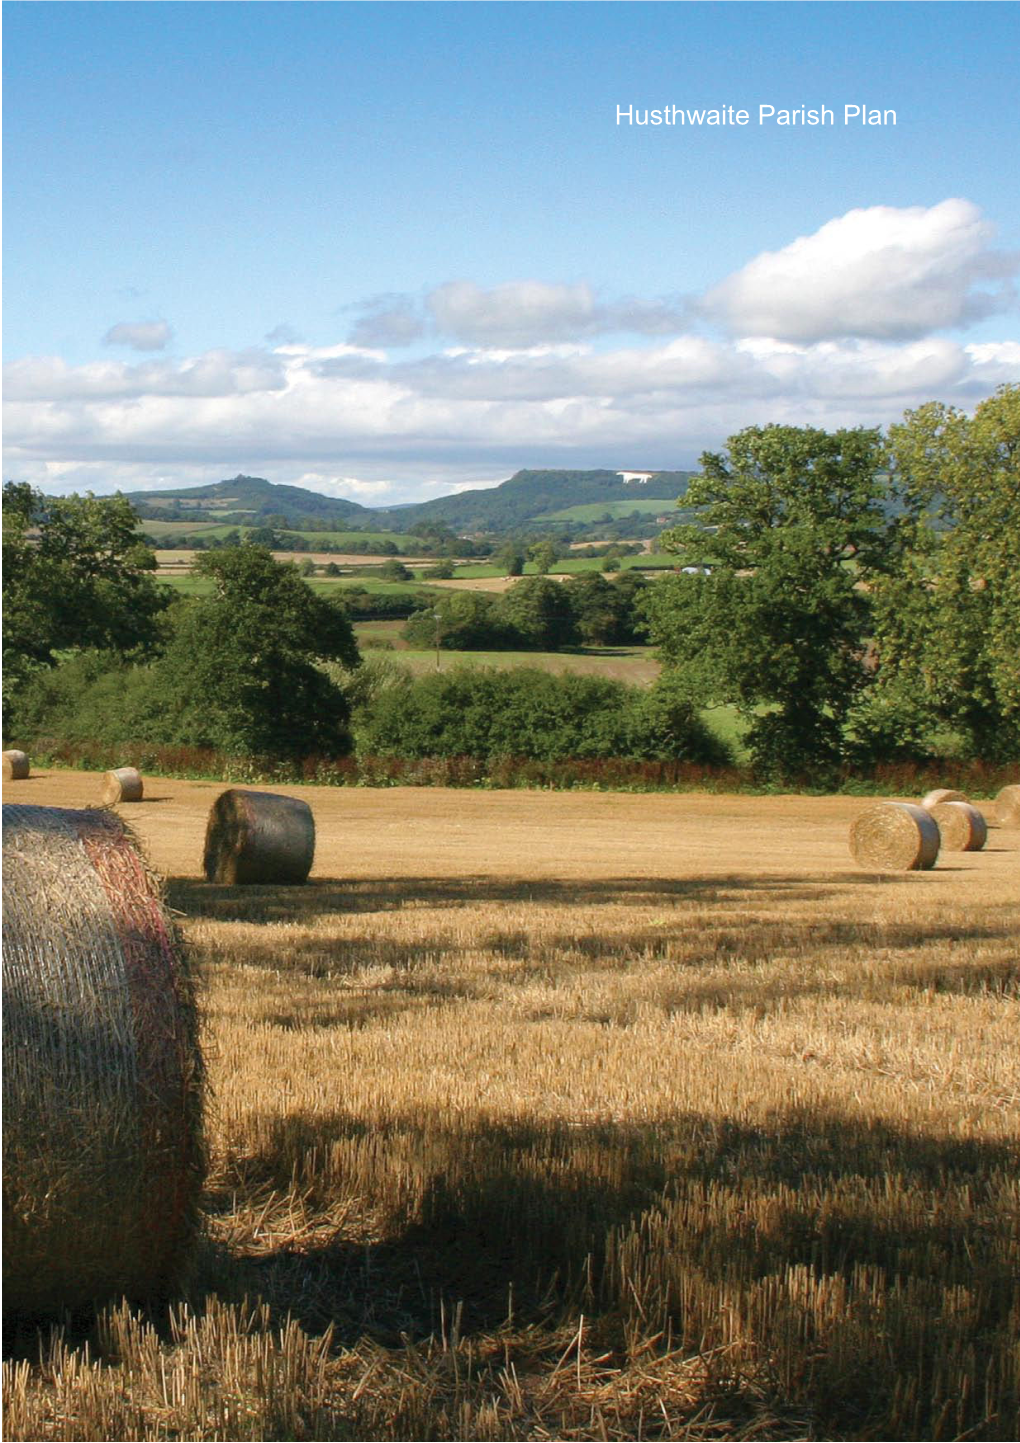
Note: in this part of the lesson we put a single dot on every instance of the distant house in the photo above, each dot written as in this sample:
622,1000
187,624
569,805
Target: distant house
639,476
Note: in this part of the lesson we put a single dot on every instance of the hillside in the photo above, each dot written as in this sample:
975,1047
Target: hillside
247,500
530,495
527,498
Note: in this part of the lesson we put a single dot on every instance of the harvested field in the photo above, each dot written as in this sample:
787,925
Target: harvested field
585,1116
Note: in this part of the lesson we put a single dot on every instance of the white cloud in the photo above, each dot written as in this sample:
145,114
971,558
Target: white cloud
139,335
837,329
528,313
882,273
387,320
216,373
353,424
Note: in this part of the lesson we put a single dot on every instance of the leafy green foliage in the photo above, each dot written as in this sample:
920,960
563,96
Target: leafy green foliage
771,618
544,553
530,713
460,621
394,570
947,618
605,610
75,577
240,672
539,613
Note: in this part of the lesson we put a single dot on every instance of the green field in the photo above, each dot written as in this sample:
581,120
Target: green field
634,664
566,566
599,510
339,540
202,585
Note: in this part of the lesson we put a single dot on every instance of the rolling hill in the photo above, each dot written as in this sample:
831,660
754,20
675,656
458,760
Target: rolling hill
247,501
527,497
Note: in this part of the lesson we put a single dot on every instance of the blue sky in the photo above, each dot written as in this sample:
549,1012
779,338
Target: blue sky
389,250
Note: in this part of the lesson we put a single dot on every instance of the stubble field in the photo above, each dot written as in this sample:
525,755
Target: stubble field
574,1115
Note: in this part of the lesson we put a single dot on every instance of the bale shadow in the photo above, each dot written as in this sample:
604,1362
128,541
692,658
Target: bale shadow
515,1230
322,896
529,1214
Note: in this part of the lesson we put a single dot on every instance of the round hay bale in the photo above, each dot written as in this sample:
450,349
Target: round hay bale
940,795
1007,807
895,837
16,766
102,1074
961,826
258,837
123,784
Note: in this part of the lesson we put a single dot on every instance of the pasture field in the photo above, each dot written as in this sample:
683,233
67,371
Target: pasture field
571,1115
189,585
635,664
210,529
566,566
596,510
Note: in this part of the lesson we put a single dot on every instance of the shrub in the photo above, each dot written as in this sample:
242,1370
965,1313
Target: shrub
467,621
395,571
527,713
539,612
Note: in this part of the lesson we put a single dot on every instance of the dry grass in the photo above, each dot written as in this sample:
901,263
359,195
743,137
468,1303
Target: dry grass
582,1116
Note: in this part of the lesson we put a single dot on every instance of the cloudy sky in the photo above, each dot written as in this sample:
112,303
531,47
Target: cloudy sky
388,251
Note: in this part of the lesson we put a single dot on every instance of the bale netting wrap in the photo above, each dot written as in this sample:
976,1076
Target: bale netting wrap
16,766
259,837
102,1074
940,795
1007,807
895,837
123,784
961,826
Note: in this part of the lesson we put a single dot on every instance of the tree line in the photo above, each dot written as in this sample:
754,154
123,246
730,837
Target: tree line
853,595
856,596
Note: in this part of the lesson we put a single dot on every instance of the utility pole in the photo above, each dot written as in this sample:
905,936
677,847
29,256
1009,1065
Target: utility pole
436,614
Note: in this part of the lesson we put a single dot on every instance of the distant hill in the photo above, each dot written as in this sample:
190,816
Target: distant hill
527,497
530,495
247,500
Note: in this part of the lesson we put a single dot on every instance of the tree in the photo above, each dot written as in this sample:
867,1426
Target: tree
75,577
240,673
544,553
947,617
462,620
511,558
539,613
773,620
602,610
395,571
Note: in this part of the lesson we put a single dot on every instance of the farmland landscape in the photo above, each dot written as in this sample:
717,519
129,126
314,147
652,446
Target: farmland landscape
579,1115
511,722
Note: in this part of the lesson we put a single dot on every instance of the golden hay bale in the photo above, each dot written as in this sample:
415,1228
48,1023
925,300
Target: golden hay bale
258,837
895,837
15,766
1007,807
102,1074
961,826
940,795
123,784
